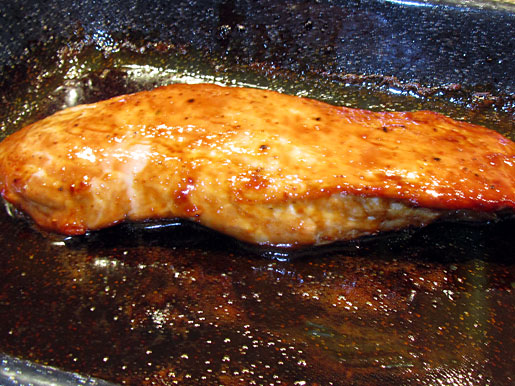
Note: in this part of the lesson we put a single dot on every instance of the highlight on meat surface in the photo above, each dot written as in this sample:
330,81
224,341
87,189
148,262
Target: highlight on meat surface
257,165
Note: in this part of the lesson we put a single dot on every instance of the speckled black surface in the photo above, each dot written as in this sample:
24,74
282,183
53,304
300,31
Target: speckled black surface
429,44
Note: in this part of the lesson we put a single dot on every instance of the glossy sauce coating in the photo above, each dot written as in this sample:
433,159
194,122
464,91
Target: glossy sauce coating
258,165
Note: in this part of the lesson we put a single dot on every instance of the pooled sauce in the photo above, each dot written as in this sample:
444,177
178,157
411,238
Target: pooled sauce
163,304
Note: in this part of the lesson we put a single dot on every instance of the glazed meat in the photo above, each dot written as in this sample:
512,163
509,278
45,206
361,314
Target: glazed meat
257,165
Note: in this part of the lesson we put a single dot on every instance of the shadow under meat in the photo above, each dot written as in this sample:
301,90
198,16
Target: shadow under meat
443,241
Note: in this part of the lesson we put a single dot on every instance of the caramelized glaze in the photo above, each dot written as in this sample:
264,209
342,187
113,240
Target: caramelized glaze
261,166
